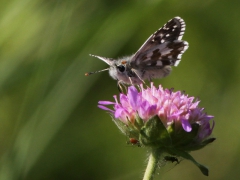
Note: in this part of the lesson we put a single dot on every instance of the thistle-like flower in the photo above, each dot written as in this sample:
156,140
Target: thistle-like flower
163,120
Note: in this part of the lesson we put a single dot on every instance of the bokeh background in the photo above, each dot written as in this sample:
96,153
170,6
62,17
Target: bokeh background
50,126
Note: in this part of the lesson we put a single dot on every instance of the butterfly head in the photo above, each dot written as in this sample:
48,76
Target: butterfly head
119,70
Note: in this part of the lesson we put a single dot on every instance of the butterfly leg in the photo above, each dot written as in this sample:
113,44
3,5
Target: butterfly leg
119,86
137,76
130,80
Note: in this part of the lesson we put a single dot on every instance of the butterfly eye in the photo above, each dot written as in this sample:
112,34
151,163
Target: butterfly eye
121,68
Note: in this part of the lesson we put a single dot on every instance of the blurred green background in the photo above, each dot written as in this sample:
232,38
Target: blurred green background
50,126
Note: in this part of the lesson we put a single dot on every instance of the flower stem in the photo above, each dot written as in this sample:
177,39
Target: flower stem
152,164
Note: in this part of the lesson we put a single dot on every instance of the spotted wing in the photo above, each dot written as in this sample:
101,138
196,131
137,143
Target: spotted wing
164,47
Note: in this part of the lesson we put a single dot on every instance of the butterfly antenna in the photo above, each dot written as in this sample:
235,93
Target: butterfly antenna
90,73
106,60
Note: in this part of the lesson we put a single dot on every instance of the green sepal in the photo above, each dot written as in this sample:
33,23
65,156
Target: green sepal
154,133
131,130
138,122
134,128
187,156
182,138
208,141
195,147
122,126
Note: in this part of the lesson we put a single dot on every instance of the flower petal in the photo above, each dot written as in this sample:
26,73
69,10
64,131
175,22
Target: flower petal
105,108
186,125
134,98
106,102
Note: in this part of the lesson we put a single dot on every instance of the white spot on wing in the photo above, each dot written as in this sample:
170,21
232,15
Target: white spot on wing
176,63
179,37
186,46
179,56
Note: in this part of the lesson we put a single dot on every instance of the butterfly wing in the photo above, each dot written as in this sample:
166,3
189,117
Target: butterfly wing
164,47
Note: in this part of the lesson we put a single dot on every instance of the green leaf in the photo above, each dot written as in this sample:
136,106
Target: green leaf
187,156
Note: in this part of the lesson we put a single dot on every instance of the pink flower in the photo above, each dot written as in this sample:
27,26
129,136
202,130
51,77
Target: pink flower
166,121
171,107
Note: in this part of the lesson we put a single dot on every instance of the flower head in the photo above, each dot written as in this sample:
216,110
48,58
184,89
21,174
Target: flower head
170,107
161,118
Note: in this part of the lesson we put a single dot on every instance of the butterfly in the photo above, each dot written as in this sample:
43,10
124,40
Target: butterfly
154,59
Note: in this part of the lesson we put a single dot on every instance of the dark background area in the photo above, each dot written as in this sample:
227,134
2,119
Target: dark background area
50,126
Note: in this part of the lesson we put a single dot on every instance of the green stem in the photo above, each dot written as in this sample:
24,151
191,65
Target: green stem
152,164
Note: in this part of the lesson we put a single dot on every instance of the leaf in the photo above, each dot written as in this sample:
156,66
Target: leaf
187,156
